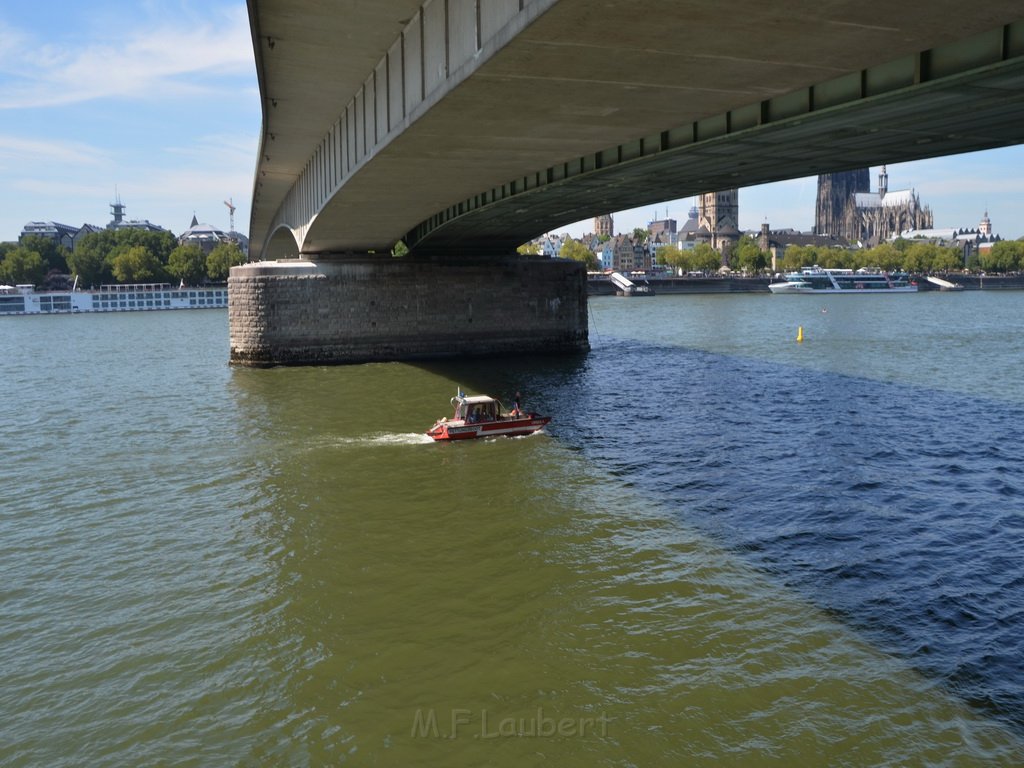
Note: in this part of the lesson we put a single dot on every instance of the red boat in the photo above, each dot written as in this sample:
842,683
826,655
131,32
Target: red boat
483,416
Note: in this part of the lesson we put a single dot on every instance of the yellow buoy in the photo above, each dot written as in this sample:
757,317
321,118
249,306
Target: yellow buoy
799,334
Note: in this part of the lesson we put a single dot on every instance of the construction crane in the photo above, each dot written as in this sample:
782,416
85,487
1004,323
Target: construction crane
231,210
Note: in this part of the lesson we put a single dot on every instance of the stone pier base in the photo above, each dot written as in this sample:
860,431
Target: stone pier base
297,312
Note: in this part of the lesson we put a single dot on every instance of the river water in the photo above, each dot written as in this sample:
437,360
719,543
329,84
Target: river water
727,548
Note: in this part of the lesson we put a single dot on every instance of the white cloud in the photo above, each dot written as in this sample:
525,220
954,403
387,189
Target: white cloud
147,62
27,152
219,150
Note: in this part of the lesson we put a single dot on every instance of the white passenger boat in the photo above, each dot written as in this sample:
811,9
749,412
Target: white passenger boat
818,280
24,300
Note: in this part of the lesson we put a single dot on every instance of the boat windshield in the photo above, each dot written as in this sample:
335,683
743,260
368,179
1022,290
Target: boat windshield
477,409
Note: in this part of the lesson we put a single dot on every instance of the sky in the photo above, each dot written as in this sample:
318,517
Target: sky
156,104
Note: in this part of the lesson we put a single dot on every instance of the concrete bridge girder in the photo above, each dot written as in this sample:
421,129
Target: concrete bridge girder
319,132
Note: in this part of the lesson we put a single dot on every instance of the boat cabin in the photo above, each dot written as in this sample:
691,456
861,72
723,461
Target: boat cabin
476,409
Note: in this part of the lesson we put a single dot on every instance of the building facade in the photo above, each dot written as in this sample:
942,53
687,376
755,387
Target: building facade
847,209
775,242
117,209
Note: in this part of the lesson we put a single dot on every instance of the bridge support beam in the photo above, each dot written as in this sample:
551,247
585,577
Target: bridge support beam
296,312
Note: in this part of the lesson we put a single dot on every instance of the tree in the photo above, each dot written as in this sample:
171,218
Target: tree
671,256
704,258
528,249
159,243
948,260
833,258
54,255
187,263
400,250
577,251
89,260
136,264
641,235
222,259
884,256
748,255
797,256
1003,256
21,265
918,257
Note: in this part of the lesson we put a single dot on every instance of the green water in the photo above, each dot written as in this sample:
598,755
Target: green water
213,566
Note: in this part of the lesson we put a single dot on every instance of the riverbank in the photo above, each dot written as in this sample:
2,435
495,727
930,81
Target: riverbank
602,286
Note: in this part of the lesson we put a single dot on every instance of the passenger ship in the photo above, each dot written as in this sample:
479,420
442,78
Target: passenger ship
817,280
24,300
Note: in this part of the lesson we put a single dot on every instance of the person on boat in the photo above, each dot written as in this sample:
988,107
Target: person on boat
515,405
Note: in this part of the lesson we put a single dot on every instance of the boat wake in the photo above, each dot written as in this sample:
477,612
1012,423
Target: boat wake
384,438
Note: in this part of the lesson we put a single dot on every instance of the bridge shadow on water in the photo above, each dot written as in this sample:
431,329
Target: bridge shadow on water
895,508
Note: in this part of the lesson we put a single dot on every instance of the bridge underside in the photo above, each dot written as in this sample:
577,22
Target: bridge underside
466,128
470,126
820,129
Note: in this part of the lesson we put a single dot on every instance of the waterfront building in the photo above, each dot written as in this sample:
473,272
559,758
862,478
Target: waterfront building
550,245
846,208
62,234
659,240
664,230
208,237
627,255
969,241
686,237
775,242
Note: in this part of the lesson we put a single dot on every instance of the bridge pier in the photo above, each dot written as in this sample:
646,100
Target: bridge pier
365,309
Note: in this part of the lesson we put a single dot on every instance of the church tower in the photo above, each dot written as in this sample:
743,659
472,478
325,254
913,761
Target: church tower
834,190
719,214
883,183
603,225
985,228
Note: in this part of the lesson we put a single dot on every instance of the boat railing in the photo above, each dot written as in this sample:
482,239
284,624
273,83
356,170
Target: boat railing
134,287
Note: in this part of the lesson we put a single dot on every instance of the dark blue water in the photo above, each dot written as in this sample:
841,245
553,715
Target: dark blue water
897,508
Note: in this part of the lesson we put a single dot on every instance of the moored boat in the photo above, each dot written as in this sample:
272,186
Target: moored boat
818,280
484,416
24,300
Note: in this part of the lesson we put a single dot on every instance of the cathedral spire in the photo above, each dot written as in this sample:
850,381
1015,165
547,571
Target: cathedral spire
883,184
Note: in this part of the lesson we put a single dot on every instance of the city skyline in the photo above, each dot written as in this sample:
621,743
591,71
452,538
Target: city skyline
157,105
